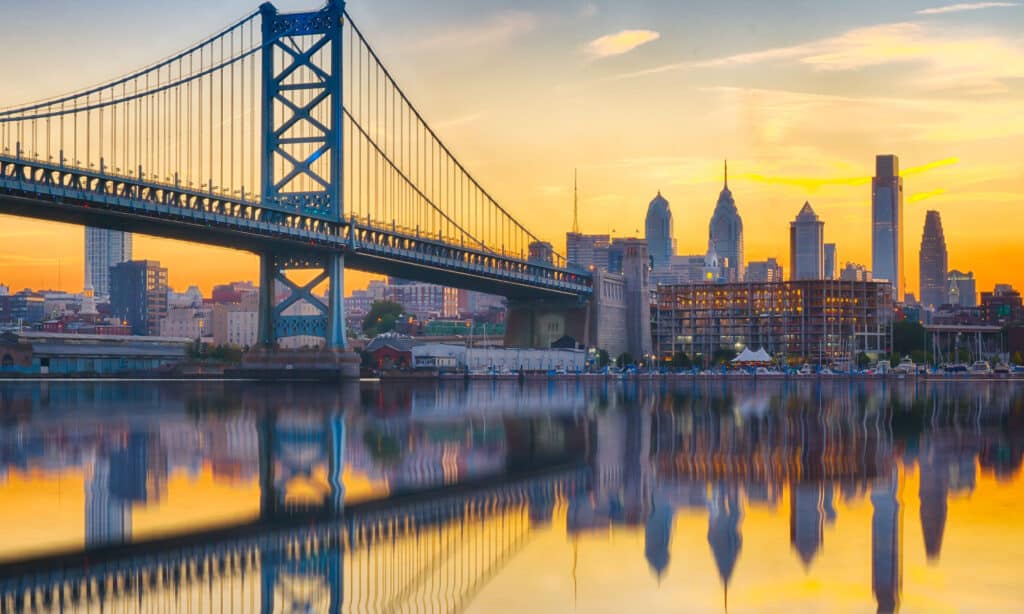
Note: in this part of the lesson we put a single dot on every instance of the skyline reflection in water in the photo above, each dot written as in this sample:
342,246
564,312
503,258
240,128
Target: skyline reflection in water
593,497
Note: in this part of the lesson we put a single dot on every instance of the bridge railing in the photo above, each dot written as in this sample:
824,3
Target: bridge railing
195,120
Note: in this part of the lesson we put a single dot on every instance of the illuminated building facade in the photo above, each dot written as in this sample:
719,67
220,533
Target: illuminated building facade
818,320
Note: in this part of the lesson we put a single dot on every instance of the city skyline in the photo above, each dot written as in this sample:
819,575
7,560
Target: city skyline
760,99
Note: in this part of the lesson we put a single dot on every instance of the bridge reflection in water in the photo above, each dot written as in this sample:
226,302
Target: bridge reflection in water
455,481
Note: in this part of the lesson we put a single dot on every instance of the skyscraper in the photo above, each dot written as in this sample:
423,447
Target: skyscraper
806,245
934,262
139,295
726,230
103,249
660,243
587,252
887,223
831,266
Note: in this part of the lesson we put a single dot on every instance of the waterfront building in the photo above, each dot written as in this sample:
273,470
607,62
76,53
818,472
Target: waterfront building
818,320
235,292
660,241
831,264
1002,305
66,354
887,223
726,230
424,301
961,289
933,261
806,245
187,322
763,271
139,295
235,324
104,249
25,307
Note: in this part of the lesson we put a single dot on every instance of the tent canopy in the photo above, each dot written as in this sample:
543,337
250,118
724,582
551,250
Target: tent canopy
746,356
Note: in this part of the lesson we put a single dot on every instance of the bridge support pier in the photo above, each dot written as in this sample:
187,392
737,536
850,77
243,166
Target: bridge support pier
303,316
539,323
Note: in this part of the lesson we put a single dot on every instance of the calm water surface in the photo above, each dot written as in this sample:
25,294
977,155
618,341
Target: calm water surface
508,497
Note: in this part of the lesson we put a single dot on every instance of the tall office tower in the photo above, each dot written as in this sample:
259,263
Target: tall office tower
659,232
934,261
103,249
806,245
887,223
831,266
587,252
726,230
139,295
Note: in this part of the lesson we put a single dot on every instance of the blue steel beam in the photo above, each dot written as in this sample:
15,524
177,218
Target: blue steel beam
42,190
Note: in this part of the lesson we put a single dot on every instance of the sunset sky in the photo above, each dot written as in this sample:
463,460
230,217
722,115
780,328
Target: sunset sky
799,95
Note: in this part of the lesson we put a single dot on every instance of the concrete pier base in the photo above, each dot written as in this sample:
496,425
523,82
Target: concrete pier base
318,365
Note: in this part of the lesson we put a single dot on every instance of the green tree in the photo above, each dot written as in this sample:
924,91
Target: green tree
907,337
602,358
722,356
382,317
863,361
624,359
681,361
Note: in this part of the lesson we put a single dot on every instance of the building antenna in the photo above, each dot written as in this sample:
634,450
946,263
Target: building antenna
575,202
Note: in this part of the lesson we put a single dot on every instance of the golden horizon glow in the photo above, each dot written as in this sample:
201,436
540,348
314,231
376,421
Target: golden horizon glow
653,103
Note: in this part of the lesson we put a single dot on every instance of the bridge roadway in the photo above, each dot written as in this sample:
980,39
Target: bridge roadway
475,528
97,198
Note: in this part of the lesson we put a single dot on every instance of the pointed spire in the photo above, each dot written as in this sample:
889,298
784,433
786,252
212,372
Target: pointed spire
575,202
727,174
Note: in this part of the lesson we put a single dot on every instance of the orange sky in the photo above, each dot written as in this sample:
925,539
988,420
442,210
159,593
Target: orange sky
647,99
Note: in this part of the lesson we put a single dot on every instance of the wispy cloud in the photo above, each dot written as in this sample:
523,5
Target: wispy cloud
916,198
916,170
970,64
620,42
458,121
496,29
967,6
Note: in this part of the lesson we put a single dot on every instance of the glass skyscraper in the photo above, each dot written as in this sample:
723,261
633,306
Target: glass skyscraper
660,243
934,262
887,223
806,245
726,231
104,249
831,266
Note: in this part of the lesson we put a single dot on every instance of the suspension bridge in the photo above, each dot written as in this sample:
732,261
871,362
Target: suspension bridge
283,135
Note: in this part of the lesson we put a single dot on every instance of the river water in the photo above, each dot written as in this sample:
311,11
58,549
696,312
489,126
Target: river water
570,496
